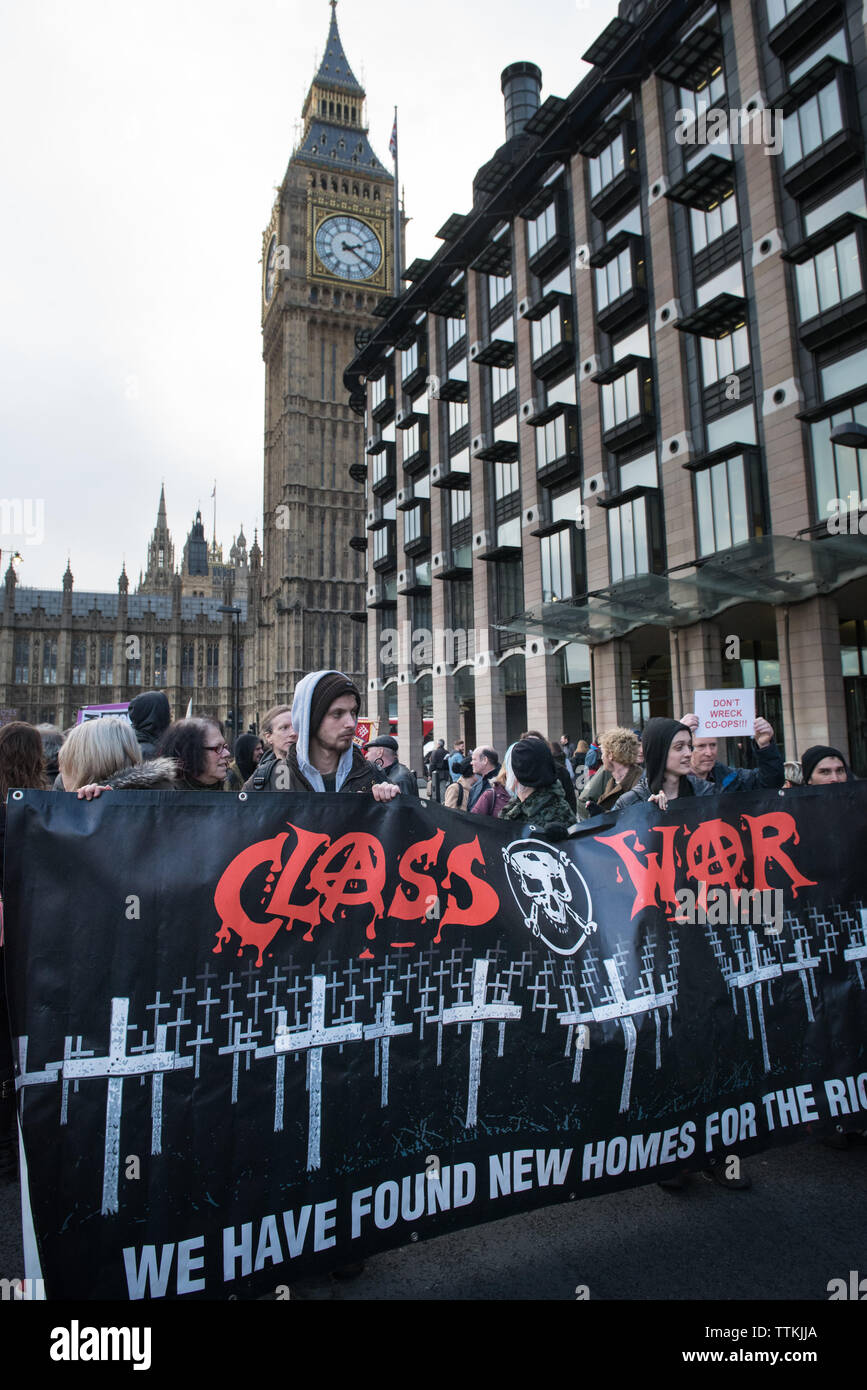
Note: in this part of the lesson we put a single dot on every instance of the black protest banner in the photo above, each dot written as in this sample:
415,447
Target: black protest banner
261,1038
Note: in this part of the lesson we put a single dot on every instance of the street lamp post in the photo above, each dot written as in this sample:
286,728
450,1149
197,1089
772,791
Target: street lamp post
236,664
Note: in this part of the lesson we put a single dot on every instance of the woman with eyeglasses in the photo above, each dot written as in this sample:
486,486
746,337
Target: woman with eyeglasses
200,752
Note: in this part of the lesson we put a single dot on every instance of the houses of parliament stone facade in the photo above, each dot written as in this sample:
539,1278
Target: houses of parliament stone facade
327,263
61,649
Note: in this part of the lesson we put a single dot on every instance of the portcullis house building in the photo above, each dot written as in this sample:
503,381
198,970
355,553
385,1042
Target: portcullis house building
611,426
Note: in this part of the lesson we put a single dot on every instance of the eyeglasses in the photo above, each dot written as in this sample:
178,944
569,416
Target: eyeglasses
216,747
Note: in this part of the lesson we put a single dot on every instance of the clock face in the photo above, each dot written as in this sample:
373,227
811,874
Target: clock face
270,270
348,247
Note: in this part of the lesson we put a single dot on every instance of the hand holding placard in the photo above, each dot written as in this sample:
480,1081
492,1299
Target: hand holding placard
725,713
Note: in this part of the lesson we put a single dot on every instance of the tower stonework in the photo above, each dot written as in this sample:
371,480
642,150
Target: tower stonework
326,262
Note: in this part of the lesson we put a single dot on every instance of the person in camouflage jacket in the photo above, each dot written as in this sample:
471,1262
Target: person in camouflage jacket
539,797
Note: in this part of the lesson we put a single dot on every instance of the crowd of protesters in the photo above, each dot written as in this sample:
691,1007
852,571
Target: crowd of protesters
311,746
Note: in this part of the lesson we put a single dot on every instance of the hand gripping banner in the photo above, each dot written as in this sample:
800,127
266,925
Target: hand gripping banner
257,1039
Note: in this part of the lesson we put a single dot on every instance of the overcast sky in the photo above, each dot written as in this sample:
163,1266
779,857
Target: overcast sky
142,142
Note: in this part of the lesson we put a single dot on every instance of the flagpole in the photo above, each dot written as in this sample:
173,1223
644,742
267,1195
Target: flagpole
214,495
397,266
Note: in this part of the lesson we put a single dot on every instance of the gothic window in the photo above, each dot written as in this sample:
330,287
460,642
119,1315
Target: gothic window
213,668
188,664
376,195
79,661
161,664
365,193
22,659
355,190
344,187
106,661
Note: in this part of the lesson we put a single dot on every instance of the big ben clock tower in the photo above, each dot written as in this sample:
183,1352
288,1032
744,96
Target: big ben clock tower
326,262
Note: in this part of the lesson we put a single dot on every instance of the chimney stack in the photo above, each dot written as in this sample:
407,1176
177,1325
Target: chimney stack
521,84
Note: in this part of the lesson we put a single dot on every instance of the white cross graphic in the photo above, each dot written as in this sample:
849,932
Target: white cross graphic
115,1067
33,1078
859,952
755,977
382,1031
478,1013
312,1040
802,963
622,1009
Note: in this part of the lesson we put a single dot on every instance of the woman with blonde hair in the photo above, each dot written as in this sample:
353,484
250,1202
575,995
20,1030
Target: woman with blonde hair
106,752
619,773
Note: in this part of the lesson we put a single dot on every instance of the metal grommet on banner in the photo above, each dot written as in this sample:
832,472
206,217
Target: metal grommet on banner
17,795
242,796
413,1235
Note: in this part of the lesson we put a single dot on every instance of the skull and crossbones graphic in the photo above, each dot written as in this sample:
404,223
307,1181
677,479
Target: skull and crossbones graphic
544,880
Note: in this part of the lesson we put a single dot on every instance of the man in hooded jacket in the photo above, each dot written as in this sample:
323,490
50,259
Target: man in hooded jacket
325,758
150,716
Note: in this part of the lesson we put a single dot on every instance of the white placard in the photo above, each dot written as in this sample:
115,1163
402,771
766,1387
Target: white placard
724,713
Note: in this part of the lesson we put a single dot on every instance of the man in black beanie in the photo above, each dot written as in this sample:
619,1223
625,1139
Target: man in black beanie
539,795
822,765
325,758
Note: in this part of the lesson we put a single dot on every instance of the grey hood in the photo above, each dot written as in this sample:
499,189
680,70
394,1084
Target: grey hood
301,704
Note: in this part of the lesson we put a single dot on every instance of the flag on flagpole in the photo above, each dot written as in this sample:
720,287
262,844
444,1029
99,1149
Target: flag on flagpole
392,144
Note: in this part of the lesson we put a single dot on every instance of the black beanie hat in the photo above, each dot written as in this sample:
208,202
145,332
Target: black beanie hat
815,755
657,738
329,689
533,764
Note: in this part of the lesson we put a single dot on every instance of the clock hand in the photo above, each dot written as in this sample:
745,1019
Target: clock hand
357,254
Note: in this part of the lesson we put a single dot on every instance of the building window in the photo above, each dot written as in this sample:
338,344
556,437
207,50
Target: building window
106,661
628,222
542,229
722,357
850,199
459,415
844,375
507,480
379,391
508,591
621,399
188,664
499,286
133,670
456,329
709,226
559,578
721,504
212,665
638,472
811,124
631,545
79,660
502,382
829,278
22,660
161,664
839,472
552,441
605,167
459,505
547,332
383,544
49,661
613,279
706,94
832,47
409,361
